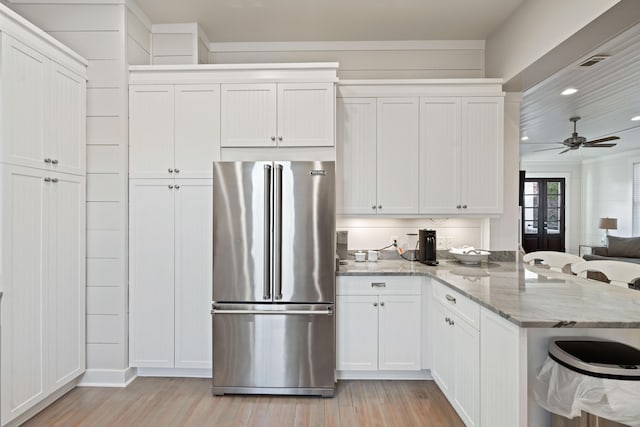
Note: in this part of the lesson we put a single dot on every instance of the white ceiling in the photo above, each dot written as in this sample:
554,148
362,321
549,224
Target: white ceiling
335,20
608,96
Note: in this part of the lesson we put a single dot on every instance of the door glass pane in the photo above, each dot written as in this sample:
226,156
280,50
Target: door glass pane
531,201
531,227
531,214
553,227
531,188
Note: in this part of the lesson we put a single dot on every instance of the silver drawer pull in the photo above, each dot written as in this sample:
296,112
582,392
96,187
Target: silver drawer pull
378,285
327,312
450,298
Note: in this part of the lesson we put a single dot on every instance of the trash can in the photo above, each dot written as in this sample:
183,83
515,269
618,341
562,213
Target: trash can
590,382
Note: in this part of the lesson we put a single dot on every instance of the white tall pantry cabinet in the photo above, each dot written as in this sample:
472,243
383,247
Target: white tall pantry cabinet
42,167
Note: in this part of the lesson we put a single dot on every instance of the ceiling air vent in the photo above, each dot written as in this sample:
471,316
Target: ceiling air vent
593,60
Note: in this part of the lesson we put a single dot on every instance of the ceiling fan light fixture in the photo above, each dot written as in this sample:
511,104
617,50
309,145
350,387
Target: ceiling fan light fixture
635,118
569,91
524,138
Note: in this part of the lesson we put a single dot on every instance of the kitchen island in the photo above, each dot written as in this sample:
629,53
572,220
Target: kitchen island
520,308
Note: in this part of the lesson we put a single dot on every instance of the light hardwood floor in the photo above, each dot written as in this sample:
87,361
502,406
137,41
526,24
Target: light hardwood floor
188,402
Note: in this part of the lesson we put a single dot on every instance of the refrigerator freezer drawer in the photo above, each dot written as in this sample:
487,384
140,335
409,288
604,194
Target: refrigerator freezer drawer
273,349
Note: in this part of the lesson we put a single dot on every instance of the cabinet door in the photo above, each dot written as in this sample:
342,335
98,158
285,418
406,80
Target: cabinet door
399,333
356,156
306,114
439,155
482,160
151,273
357,332
66,123
248,115
443,368
466,364
193,264
397,145
25,94
197,130
151,129
24,303
66,258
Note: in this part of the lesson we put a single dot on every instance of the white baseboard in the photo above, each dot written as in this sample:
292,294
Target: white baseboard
424,374
108,377
175,372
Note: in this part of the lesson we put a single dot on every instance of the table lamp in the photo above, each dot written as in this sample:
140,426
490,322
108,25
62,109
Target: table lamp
607,224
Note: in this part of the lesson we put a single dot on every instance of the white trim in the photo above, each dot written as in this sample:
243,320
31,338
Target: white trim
424,374
607,157
182,28
135,8
108,377
205,39
348,45
176,372
567,198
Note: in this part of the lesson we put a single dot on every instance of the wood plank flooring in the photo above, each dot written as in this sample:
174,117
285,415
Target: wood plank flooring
188,402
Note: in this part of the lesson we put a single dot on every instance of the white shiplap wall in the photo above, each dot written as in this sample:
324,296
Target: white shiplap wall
179,44
108,35
367,60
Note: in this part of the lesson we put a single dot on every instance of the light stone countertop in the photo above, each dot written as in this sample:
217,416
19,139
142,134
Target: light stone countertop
529,297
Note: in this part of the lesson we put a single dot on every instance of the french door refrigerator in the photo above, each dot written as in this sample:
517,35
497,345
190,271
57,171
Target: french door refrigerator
273,277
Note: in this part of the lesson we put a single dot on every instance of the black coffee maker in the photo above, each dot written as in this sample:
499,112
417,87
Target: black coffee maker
427,247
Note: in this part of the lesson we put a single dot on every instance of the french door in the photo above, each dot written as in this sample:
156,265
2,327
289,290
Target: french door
543,214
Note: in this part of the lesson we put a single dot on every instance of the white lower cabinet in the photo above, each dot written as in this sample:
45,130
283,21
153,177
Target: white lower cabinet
170,273
43,280
378,324
456,352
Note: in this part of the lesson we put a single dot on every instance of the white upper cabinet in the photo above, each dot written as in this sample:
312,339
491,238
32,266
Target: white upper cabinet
43,109
461,153
377,162
174,130
397,148
356,156
277,115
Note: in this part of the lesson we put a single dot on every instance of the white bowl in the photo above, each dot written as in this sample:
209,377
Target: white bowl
475,257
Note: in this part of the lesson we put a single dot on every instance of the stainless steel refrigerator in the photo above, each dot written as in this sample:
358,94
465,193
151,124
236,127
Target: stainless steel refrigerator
273,277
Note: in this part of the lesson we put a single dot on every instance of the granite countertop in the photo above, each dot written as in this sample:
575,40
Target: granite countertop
530,297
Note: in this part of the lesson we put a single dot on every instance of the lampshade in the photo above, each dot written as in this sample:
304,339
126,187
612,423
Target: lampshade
608,224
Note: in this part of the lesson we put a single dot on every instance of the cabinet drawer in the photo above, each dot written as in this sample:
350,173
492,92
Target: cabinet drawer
463,306
378,285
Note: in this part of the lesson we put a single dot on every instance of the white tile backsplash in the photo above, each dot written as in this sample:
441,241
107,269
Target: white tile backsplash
375,233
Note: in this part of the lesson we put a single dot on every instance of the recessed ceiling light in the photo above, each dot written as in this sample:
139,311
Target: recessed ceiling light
524,138
635,118
569,91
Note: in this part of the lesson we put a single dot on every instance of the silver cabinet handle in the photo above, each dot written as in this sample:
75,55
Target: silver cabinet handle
450,298
379,206
177,170
170,187
47,179
54,161
452,322
279,138
170,170
375,304
373,207
54,179
464,206
458,206
273,138
378,285
47,160
177,187
446,319
381,303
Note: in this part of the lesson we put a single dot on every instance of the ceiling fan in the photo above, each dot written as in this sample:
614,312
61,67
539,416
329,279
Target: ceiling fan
575,141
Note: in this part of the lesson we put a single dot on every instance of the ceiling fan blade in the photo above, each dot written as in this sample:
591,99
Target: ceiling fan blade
547,149
565,150
609,138
599,145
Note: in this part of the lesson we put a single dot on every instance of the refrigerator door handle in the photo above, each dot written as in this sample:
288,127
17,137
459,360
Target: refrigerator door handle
327,312
277,233
267,233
